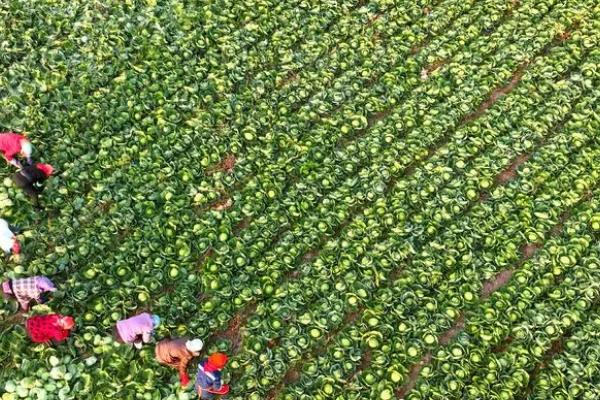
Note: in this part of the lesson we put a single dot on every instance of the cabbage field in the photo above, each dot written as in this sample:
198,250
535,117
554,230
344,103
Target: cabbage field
354,199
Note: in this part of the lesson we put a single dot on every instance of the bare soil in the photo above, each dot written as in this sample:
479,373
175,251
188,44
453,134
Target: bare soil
373,19
502,346
498,93
427,71
291,376
233,332
221,205
225,165
349,319
413,376
293,274
228,163
510,172
105,206
205,256
291,77
556,229
530,249
365,361
496,283
243,224
378,116
451,333
310,255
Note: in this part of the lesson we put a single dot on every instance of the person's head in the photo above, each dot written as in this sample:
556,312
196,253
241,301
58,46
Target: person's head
66,322
47,169
194,346
218,360
155,321
26,149
7,293
16,247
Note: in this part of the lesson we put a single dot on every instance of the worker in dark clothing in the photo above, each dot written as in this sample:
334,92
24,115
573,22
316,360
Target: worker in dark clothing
31,178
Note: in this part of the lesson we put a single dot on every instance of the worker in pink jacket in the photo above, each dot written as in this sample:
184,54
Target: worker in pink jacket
13,145
138,329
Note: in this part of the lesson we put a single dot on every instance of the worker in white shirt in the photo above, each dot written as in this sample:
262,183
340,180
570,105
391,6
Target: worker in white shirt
8,240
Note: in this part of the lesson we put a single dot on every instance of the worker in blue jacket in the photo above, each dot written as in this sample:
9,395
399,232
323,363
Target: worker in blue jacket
208,380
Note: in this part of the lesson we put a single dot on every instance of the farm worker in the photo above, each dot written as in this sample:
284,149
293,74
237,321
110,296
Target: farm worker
177,353
30,179
25,290
138,329
12,145
8,240
208,380
46,328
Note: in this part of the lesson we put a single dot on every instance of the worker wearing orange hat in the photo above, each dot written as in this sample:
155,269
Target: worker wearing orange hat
31,178
48,328
208,380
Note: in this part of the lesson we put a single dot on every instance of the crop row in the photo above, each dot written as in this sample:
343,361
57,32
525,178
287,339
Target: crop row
302,289
409,298
136,237
426,221
574,371
396,153
555,282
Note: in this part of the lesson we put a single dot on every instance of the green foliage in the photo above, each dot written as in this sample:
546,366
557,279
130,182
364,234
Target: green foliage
335,182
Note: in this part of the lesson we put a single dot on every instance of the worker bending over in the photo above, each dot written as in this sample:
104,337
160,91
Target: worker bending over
13,145
25,290
49,328
137,330
177,353
208,380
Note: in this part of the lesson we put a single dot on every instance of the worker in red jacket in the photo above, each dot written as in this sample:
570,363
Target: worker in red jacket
13,145
48,328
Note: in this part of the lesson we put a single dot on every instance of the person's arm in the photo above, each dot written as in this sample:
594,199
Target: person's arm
24,305
184,360
45,284
13,162
146,336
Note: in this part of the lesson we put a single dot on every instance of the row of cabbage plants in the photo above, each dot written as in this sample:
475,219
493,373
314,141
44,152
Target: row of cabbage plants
458,189
555,281
285,310
134,239
301,158
119,245
316,234
403,302
574,371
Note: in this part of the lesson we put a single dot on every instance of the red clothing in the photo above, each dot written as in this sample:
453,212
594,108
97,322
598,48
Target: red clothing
10,144
44,328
